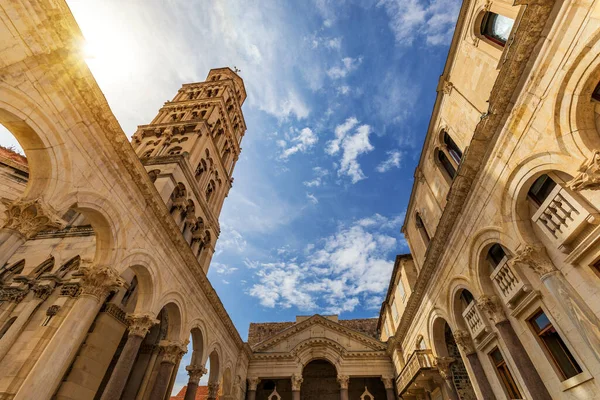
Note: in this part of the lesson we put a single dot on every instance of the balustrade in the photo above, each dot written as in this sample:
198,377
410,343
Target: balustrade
510,283
418,361
476,323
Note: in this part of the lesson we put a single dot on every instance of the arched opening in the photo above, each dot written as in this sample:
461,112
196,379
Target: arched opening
8,272
226,382
422,229
215,366
43,268
446,164
319,381
496,28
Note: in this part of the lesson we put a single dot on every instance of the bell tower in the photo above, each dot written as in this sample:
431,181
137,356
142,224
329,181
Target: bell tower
190,149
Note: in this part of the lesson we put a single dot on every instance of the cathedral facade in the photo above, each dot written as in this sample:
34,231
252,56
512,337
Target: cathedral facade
105,243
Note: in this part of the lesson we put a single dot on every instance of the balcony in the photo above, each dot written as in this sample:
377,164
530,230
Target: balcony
476,323
565,220
418,362
510,283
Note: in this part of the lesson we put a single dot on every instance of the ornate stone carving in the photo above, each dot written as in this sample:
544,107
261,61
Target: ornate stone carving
492,307
534,258
447,87
343,380
28,217
443,366
253,383
99,281
115,311
464,341
70,289
140,324
153,175
195,373
172,351
589,174
12,295
388,381
213,390
42,291
52,310
296,382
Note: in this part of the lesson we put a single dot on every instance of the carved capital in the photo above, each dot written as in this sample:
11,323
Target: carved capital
388,381
534,258
28,217
99,281
296,382
443,366
464,341
343,380
195,373
447,87
589,174
172,351
213,390
140,324
42,292
253,383
492,307
12,295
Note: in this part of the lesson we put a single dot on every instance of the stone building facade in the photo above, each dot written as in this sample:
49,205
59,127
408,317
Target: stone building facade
500,294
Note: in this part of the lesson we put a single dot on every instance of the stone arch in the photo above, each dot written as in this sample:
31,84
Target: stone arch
70,266
458,285
227,382
8,271
215,357
575,128
45,267
199,340
514,202
47,158
174,320
148,275
319,380
318,349
437,319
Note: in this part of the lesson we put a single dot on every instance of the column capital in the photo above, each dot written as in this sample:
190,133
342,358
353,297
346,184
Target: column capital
589,174
172,351
492,307
195,373
139,324
388,381
28,217
213,390
464,341
253,382
534,258
98,281
42,291
296,382
12,295
343,380
443,366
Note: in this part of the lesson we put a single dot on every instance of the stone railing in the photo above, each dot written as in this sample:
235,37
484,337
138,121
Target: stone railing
418,361
563,219
510,283
475,321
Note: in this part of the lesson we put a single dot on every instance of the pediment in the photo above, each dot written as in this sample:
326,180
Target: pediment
319,331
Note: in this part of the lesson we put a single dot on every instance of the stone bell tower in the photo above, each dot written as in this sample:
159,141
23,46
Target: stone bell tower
190,149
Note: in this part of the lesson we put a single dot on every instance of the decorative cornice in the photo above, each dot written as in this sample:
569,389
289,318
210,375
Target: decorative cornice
519,53
115,311
317,319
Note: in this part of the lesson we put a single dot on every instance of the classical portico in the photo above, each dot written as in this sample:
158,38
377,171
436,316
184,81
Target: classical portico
319,357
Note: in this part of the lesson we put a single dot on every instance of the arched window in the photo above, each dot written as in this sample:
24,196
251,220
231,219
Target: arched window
496,27
422,229
466,298
71,265
495,256
148,153
209,190
446,164
8,272
452,148
43,268
541,189
175,151
200,169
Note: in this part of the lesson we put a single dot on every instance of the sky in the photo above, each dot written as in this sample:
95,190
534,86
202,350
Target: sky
340,93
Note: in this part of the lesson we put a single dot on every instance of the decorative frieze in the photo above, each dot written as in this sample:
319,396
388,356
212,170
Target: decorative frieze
28,217
139,324
115,311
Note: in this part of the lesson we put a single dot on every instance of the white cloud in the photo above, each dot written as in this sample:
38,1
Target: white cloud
304,140
340,272
230,240
344,89
433,20
319,173
347,66
222,269
393,161
334,43
312,198
352,146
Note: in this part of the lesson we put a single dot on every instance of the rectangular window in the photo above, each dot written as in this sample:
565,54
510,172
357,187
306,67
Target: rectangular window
395,312
504,374
401,290
554,346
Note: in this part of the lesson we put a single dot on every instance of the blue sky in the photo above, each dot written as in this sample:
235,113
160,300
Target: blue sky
339,98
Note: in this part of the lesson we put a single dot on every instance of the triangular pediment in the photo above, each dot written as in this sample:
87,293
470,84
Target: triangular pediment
319,330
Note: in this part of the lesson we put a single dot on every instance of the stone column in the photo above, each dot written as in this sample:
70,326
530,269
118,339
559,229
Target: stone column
296,382
45,376
24,219
443,365
195,374
465,343
41,293
139,325
343,380
10,298
532,380
252,384
213,390
171,353
388,383
571,302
